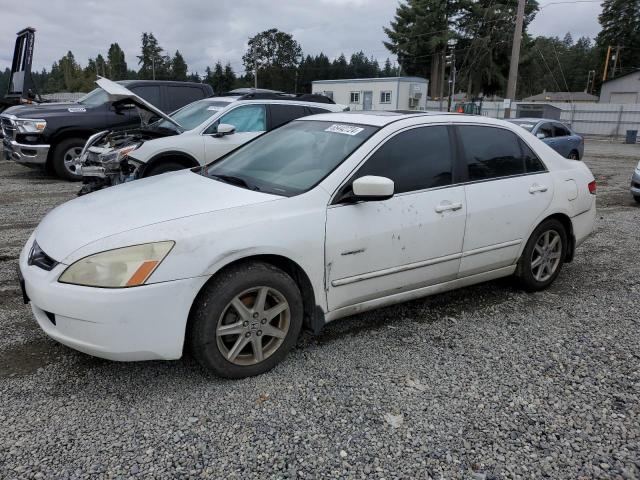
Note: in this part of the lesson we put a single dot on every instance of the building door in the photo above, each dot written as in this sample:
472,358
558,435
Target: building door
367,100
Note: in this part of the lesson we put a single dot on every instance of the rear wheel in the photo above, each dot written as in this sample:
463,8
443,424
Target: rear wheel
574,155
636,198
246,320
543,256
163,167
64,157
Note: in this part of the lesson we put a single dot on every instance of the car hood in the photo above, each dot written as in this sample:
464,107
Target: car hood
42,110
125,207
120,94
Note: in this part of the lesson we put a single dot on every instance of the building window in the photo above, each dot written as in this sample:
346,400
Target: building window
385,97
355,97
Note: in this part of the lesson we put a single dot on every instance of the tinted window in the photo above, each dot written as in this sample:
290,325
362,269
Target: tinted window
150,93
546,129
560,130
532,163
316,110
491,152
248,118
179,96
281,114
416,159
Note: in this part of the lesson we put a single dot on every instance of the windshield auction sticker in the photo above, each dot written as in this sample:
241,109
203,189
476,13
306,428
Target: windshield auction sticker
344,129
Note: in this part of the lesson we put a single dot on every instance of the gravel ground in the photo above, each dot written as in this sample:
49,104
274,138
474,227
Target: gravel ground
485,382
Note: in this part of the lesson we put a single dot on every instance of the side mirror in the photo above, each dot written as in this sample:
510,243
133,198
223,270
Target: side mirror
370,188
541,135
224,129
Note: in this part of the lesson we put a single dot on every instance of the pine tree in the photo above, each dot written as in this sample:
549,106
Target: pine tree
116,64
178,67
229,78
620,21
153,62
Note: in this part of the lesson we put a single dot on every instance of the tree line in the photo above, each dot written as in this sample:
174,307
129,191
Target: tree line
419,36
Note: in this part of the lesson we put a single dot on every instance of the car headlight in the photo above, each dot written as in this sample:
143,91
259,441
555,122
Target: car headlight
117,155
29,126
119,268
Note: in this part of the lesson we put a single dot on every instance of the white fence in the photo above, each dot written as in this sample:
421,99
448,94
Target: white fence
598,119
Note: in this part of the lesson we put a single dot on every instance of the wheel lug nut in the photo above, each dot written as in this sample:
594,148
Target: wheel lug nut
259,333
255,315
263,321
245,324
248,334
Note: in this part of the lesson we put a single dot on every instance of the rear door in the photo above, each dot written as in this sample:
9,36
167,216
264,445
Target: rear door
565,141
250,121
379,248
508,189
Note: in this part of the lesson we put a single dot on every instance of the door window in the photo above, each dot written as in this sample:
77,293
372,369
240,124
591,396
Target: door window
150,93
415,159
248,118
179,96
560,130
491,152
532,163
281,114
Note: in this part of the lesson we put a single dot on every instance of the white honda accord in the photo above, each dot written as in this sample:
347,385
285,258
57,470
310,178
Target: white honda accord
327,216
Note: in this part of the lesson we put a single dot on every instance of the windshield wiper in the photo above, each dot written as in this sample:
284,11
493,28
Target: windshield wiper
239,182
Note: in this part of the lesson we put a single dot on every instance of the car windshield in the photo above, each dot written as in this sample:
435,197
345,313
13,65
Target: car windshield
192,115
95,97
293,158
527,125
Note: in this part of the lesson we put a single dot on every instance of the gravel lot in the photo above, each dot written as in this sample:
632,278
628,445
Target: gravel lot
485,382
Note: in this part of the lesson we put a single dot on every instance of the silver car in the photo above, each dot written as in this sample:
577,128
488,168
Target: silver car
555,134
635,183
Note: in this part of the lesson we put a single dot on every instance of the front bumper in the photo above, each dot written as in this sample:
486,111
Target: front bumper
635,183
122,324
24,154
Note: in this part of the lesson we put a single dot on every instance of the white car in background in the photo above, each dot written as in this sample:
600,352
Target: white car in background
327,216
196,134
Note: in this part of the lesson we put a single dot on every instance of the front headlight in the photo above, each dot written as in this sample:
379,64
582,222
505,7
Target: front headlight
122,267
117,155
29,126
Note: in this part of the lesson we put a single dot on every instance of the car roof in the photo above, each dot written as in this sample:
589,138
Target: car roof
377,118
533,120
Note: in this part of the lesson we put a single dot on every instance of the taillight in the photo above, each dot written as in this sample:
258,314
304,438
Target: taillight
592,187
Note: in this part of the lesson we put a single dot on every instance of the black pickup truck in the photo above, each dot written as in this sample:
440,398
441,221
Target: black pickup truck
52,135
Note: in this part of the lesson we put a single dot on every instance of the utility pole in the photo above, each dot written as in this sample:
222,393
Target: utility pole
515,58
451,61
606,64
590,81
153,66
615,61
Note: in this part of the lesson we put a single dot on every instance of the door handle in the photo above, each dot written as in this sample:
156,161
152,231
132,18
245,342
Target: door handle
535,188
447,205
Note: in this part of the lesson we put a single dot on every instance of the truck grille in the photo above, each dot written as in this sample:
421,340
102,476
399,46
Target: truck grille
7,127
40,259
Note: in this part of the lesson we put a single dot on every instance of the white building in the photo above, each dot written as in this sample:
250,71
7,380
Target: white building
391,93
622,89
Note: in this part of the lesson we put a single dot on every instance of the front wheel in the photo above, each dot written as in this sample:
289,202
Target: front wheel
543,256
64,158
574,155
246,320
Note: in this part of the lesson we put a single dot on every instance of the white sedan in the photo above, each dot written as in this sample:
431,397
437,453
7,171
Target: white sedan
325,217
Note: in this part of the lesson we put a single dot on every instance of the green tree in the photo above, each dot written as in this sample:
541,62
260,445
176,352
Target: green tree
178,67
116,64
152,60
620,21
229,78
276,55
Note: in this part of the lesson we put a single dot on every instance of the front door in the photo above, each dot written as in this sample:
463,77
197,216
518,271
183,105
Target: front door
367,100
379,248
249,120
508,190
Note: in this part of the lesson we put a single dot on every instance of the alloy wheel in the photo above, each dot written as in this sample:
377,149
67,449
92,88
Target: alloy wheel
546,255
70,157
253,325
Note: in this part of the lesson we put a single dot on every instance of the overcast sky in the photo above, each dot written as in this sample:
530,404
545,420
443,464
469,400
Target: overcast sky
209,30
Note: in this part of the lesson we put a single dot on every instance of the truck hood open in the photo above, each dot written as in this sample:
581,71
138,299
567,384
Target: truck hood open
126,207
119,94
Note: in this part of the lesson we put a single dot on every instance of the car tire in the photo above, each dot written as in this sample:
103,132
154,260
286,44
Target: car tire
542,258
163,167
228,333
62,155
574,155
636,198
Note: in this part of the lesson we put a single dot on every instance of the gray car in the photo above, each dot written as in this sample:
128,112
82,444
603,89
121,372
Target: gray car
555,134
635,183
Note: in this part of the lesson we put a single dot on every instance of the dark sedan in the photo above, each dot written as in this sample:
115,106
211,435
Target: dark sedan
555,134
